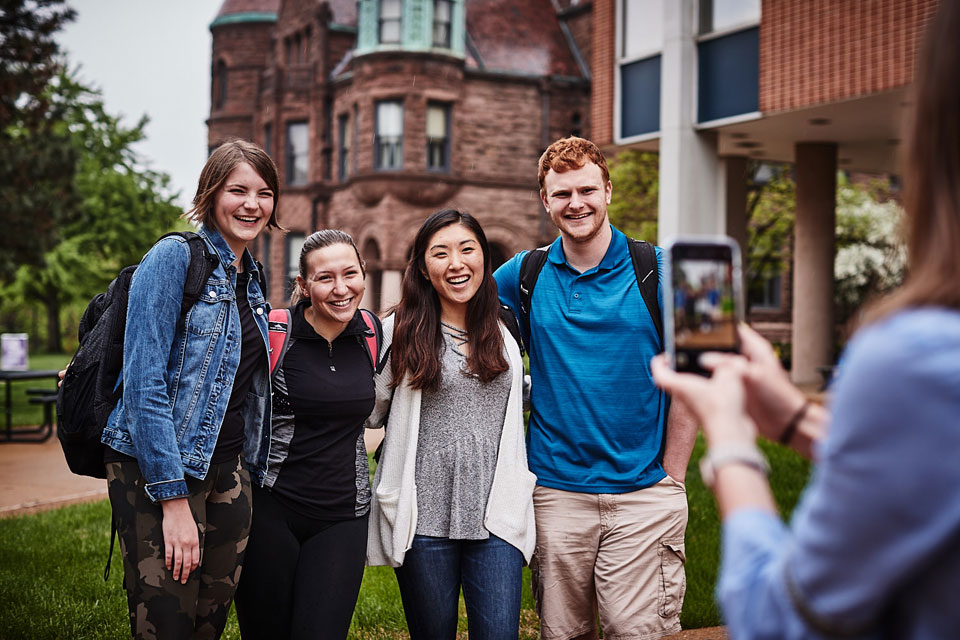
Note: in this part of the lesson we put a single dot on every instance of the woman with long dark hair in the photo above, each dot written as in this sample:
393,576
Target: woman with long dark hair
195,402
307,545
453,497
873,549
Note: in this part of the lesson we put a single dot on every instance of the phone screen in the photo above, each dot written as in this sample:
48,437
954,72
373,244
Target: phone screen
705,288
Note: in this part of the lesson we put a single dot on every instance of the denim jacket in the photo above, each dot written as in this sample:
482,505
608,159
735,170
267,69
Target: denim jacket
177,380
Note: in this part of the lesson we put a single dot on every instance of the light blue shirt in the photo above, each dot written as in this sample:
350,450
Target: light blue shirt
597,420
874,547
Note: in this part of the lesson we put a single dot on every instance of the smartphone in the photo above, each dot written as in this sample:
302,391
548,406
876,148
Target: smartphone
703,302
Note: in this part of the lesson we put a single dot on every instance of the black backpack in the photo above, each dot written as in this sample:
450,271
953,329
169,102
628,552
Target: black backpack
88,394
643,256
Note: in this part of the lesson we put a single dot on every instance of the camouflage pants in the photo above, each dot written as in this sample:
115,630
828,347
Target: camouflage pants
159,606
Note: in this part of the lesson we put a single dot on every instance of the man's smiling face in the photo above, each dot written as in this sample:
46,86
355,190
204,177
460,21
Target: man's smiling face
577,201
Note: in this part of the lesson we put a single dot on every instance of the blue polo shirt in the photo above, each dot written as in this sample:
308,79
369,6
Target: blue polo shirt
597,420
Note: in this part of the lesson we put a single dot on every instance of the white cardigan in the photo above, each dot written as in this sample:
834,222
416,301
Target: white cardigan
393,512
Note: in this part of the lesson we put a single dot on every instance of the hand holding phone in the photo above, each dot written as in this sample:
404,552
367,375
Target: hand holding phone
703,300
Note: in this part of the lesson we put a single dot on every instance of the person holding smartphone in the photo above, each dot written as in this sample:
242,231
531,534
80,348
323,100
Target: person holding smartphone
873,549
610,458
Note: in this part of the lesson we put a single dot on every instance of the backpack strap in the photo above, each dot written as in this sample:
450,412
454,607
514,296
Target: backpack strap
530,268
373,339
202,264
509,319
278,326
644,257
262,279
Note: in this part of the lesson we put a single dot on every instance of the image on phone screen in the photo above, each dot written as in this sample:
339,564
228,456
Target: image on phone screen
703,306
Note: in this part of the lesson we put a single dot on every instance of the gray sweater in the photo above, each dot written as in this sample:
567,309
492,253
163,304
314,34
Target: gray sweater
393,513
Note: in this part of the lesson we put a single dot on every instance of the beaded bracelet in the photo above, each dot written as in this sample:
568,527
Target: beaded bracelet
794,422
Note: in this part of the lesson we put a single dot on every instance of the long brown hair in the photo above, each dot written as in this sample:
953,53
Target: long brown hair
932,173
417,337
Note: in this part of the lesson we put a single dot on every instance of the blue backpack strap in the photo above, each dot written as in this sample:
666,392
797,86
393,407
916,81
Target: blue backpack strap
644,257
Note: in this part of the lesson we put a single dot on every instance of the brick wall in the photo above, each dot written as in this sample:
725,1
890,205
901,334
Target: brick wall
819,51
603,67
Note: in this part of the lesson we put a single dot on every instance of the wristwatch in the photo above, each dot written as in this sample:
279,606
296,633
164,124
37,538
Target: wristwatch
731,453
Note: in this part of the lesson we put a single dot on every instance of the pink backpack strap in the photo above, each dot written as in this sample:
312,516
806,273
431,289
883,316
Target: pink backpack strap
278,324
373,340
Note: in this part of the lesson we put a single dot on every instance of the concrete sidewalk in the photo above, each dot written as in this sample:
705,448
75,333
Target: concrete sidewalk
34,477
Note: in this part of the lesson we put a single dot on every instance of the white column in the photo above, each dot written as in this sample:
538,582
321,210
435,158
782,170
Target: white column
813,255
390,288
690,173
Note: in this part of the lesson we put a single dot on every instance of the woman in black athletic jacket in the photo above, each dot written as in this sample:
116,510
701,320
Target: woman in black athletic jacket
305,559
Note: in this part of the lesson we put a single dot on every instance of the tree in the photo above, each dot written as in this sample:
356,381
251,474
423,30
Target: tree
34,161
636,189
871,259
771,202
117,211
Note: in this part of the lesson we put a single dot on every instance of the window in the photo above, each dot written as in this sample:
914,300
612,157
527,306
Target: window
268,138
767,295
294,245
390,13
438,137
719,15
221,83
297,156
441,23
343,134
638,74
642,28
388,140
728,55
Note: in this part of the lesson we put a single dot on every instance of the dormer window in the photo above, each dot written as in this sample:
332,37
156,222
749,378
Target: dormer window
390,14
441,23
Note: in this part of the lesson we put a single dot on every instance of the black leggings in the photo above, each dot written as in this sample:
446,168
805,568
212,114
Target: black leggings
301,576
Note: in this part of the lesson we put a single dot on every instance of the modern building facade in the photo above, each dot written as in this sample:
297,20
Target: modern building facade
709,84
380,112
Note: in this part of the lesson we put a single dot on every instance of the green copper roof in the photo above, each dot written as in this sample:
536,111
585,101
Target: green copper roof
245,17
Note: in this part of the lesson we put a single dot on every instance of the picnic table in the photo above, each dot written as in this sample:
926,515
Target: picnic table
46,397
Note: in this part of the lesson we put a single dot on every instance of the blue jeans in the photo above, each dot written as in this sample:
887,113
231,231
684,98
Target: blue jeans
490,572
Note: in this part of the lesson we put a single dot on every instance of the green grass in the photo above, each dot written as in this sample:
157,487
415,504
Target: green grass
25,413
51,569
788,476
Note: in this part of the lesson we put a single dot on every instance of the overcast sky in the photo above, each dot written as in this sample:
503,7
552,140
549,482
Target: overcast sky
151,57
